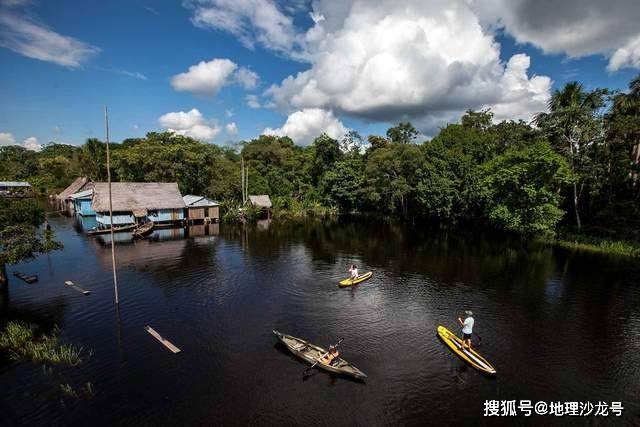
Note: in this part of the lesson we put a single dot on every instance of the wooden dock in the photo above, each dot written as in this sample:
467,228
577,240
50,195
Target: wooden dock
76,287
163,341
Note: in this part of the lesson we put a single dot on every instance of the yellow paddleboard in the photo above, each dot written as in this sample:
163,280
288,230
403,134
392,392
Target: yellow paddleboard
469,356
359,279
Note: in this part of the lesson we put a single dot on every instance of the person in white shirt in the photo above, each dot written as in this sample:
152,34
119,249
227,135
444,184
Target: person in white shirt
353,270
467,329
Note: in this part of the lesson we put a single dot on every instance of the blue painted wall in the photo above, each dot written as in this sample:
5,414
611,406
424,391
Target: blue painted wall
83,207
166,215
161,215
118,219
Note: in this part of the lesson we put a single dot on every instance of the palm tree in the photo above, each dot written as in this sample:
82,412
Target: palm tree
628,105
571,112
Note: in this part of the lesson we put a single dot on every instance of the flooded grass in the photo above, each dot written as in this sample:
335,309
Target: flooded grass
23,343
597,244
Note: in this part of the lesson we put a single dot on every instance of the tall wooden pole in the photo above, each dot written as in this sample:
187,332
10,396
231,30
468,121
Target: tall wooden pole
113,243
244,200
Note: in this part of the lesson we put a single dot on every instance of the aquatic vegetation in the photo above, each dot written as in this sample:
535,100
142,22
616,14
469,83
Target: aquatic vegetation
597,244
22,342
87,391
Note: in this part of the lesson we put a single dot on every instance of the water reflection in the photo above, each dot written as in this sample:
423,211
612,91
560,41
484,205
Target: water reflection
557,325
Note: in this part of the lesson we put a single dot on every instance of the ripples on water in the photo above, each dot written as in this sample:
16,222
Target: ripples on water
557,326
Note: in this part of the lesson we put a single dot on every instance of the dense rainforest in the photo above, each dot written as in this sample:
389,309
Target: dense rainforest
574,167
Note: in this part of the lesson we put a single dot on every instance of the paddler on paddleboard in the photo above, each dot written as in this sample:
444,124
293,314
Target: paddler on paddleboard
353,272
467,329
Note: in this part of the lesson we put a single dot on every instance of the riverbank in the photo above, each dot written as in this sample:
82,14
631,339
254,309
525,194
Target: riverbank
591,243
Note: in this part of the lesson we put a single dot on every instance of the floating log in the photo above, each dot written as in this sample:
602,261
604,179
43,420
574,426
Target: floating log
28,279
76,287
164,342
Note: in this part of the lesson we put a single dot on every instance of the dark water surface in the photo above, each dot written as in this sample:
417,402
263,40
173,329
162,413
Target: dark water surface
558,326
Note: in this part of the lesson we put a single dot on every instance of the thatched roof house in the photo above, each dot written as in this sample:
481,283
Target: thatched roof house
137,197
262,201
78,184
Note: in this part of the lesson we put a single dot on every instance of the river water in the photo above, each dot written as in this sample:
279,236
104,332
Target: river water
558,326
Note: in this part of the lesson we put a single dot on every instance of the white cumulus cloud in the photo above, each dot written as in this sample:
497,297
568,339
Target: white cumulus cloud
31,143
6,138
421,60
231,128
247,78
572,27
207,78
191,123
626,57
204,78
306,125
34,40
251,21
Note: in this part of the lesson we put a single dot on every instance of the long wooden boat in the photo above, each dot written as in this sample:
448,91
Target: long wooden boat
96,231
361,278
312,354
468,355
143,229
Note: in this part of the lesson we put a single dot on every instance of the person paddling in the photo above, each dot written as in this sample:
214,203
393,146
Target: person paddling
467,329
331,357
353,270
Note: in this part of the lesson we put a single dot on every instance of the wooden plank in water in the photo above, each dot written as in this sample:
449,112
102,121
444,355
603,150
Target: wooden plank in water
28,279
76,287
166,343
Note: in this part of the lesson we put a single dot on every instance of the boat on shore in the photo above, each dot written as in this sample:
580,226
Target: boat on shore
96,231
143,229
312,354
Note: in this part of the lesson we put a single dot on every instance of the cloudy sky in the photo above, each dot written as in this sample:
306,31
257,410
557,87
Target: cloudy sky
225,70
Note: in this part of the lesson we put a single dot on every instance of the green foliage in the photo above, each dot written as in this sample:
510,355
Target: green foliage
581,162
22,342
521,187
343,183
404,133
390,177
19,236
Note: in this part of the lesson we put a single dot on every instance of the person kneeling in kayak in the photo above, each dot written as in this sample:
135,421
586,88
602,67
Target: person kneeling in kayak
467,329
331,357
353,270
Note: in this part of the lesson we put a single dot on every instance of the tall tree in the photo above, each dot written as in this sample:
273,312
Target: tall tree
404,133
20,238
573,124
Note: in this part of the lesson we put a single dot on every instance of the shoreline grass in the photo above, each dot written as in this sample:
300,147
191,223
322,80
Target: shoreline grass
595,244
22,343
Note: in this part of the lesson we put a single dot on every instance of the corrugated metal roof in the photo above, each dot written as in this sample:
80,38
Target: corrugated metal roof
201,201
74,187
130,196
14,184
86,194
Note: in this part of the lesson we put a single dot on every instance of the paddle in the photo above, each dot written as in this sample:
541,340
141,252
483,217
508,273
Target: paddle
323,356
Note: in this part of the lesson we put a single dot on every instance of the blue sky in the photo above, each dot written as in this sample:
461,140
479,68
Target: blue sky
144,44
